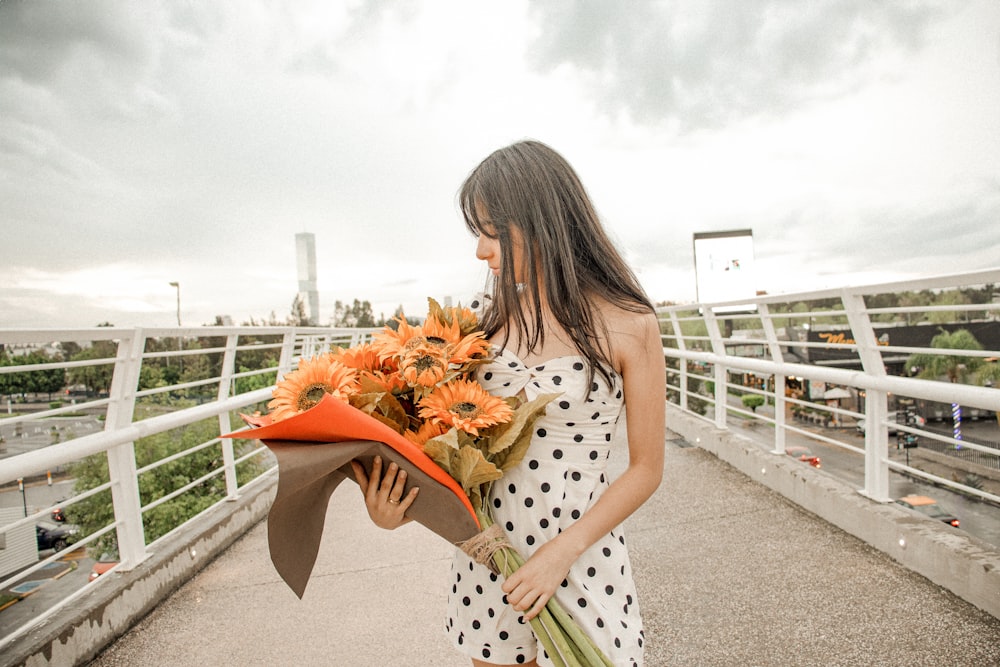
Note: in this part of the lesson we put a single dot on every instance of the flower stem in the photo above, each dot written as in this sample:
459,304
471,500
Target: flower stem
580,639
563,640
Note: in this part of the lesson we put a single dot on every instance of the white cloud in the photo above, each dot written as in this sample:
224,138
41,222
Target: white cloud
189,142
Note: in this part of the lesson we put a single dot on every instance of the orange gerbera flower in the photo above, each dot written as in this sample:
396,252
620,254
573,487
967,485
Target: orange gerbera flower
427,430
424,365
465,405
304,387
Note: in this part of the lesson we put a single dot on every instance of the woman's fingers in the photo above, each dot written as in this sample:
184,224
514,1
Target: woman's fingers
536,608
359,474
390,479
384,494
375,479
404,503
529,602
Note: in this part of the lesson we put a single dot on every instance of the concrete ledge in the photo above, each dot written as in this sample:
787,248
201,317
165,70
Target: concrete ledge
115,604
961,563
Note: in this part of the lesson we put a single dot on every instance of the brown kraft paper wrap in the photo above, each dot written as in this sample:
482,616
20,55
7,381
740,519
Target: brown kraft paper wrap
309,472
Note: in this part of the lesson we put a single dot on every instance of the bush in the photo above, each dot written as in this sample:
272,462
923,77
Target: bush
752,401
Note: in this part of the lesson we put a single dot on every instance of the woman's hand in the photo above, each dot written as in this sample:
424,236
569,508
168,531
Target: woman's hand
530,586
384,494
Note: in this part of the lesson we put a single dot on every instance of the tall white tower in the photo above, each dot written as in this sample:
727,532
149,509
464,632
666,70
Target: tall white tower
305,255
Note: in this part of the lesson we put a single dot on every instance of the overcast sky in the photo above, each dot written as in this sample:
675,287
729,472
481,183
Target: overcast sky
149,142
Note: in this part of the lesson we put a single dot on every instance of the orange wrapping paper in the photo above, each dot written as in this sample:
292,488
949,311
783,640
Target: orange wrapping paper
314,451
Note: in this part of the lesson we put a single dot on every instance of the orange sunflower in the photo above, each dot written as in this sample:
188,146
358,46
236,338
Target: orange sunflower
392,382
424,365
473,346
437,332
427,430
466,319
363,357
389,344
465,405
304,387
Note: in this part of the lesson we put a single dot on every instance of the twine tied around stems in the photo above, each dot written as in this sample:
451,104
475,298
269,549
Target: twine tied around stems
482,546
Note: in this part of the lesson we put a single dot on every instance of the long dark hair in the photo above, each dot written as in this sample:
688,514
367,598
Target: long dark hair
530,186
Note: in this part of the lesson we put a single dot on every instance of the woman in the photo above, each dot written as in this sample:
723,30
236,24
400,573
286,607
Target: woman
565,315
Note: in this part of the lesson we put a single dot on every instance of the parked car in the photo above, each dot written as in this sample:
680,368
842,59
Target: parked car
928,506
803,454
103,564
919,423
55,536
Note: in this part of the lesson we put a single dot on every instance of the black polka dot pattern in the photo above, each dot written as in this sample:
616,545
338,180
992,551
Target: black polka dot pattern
561,476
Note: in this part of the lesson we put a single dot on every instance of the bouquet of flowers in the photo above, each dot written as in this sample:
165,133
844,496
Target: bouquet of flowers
409,396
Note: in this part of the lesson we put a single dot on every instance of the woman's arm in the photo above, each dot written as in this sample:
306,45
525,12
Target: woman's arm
639,351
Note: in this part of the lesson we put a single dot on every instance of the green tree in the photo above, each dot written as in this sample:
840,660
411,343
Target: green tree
96,512
915,300
956,368
197,367
949,298
358,314
95,378
989,376
298,317
752,401
44,381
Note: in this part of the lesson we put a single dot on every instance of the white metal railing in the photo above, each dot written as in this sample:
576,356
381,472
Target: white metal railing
788,344
844,338
228,369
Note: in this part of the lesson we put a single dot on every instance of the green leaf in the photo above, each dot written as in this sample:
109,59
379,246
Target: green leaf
441,448
472,469
524,417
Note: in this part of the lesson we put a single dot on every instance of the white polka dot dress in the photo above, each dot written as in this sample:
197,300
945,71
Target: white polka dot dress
561,476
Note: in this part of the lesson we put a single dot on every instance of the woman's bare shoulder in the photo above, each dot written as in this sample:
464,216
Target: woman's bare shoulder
630,332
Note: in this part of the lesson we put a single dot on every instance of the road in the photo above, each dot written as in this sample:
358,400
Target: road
29,436
37,495
977,518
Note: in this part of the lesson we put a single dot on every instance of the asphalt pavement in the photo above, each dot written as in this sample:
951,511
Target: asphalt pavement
728,572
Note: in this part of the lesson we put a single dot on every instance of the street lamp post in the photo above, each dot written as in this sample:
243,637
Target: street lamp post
178,286
180,360
24,499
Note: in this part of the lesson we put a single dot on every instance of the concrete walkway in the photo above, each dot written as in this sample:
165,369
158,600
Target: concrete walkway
729,573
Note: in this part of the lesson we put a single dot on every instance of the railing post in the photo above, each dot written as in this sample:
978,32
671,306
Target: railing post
287,352
779,380
225,388
720,374
681,361
876,439
121,459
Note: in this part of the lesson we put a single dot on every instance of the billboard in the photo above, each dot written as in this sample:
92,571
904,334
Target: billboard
723,268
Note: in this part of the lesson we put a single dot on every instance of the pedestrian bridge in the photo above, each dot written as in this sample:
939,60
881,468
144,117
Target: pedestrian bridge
744,556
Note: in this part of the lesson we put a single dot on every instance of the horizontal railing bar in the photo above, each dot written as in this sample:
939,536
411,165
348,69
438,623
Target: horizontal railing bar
941,481
942,308
57,365
982,397
178,455
46,458
55,412
939,351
